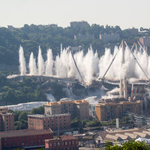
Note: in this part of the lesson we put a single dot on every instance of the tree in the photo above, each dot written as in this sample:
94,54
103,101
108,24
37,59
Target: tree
39,110
130,145
23,116
75,123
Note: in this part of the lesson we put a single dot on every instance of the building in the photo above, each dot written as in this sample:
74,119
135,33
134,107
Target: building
111,109
10,27
134,31
78,108
82,37
24,138
109,37
64,142
55,122
145,41
121,136
6,120
81,24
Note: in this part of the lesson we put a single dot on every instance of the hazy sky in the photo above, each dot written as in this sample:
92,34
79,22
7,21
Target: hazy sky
125,13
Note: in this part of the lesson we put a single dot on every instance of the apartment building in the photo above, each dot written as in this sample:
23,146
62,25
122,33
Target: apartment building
81,24
78,108
55,122
111,110
64,142
145,41
109,37
134,31
6,120
82,37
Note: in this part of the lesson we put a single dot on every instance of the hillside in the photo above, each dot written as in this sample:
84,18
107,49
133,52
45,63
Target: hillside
49,36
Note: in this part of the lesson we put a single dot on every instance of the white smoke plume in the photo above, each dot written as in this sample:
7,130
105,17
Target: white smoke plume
90,66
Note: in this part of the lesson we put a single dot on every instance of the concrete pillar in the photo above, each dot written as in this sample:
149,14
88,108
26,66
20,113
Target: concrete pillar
117,123
125,88
121,88
132,90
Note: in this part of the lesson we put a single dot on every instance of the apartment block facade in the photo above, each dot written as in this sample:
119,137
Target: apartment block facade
109,37
145,41
112,110
78,108
6,120
55,122
64,142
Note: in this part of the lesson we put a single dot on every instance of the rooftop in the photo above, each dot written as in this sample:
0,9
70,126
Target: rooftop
48,116
66,102
63,138
112,102
26,132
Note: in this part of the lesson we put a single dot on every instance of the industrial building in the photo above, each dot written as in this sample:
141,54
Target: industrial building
78,108
24,138
55,122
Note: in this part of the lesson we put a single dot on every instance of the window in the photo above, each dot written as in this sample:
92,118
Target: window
65,143
72,142
62,143
50,144
58,144
69,142
54,144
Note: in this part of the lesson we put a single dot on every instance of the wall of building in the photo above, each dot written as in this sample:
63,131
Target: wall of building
108,111
79,109
25,140
109,37
55,122
61,144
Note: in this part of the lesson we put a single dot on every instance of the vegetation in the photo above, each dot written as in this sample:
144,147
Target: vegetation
76,123
130,145
13,92
124,120
30,37
21,117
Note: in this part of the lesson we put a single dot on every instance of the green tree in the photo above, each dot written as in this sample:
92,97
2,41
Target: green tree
130,145
75,123
23,116
39,110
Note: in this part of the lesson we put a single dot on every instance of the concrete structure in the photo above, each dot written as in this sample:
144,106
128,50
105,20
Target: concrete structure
62,143
55,122
6,120
117,122
78,108
110,109
81,24
109,37
24,138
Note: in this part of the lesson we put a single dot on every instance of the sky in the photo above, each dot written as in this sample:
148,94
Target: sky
124,13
